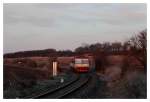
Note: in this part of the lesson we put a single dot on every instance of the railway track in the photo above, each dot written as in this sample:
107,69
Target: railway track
86,91
65,89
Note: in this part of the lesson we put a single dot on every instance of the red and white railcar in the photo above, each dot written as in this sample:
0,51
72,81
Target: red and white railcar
81,64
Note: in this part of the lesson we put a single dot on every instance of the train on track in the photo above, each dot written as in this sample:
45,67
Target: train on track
81,64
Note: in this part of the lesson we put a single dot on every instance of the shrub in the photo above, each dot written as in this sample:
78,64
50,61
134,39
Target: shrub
132,86
137,85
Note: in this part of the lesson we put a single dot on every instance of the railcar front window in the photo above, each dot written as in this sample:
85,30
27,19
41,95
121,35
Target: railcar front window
85,61
78,61
81,61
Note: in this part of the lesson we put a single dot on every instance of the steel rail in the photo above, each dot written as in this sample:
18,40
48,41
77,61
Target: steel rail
50,90
64,90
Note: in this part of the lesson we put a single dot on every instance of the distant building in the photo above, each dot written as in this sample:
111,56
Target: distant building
116,47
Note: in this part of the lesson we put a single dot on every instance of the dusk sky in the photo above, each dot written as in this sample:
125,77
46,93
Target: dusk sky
68,26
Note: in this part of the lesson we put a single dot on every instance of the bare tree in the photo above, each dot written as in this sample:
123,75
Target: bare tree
139,48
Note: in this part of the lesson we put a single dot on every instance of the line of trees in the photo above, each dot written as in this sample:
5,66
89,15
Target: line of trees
46,52
93,48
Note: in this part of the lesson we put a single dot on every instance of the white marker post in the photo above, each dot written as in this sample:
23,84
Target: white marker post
54,68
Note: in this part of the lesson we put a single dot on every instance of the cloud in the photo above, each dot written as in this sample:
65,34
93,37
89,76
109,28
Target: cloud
65,26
